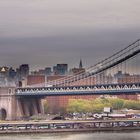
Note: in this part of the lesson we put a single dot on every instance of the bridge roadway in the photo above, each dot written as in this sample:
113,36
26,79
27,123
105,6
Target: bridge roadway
131,88
69,126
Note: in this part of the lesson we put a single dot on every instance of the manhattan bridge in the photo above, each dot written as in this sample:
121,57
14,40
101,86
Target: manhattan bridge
100,78
103,78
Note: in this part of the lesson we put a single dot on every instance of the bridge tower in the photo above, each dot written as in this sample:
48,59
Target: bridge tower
13,107
7,103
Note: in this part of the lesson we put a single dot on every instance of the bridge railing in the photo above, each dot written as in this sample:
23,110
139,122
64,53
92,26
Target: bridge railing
113,88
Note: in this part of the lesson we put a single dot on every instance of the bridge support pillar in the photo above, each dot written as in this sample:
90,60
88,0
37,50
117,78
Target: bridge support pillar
7,103
29,107
13,107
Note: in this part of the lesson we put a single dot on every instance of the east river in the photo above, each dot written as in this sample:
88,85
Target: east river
135,135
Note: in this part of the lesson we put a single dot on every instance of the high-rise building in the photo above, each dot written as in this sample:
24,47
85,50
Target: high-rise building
55,70
11,74
60,69
23,71
48,71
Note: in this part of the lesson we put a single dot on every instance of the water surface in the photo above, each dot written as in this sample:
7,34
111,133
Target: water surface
76,136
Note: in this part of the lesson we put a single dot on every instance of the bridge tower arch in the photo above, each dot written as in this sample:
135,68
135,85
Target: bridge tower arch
7,103
13,107
3,114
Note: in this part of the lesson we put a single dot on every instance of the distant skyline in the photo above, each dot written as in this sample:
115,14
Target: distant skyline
43,33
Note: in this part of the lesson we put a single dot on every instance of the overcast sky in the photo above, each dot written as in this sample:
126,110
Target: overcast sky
46,32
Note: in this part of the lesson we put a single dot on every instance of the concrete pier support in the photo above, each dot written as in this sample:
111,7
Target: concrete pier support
29,107
13,107
7,103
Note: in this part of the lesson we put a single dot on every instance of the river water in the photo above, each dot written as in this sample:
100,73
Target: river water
135,135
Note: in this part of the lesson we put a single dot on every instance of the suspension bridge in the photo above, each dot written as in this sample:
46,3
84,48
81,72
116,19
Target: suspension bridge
115,75
101,78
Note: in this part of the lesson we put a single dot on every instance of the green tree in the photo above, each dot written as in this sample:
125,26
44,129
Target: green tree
98,108
130,104
78,105
45,106
97,105
116,103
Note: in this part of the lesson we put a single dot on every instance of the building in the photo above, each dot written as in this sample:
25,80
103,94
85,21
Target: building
4,75
11,74
35,80
48,71
126,77
23,71
75,71
129,79
60,69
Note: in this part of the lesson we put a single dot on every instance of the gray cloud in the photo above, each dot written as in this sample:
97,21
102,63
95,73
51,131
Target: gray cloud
44,32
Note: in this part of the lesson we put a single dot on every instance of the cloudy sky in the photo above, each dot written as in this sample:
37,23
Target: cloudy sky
46,32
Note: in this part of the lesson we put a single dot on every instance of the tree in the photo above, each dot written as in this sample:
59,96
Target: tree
97,105
116,103
78,105
45,106
129,104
